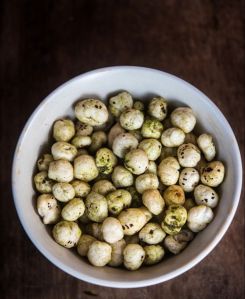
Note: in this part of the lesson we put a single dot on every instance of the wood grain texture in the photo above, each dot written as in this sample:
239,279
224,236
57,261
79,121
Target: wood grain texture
45,43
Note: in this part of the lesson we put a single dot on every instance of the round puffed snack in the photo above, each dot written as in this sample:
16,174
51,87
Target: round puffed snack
152,128
92,112
132,220
96,207
153,200
99,253
152,233
63,191
123,143
60,171
85,168
48,208
120,103
152,147
188,179
145,182
188,155
199,217
168,171
153,254
174,195
131,119
158,108
205,195
133,256
183,118
205,143
172,137
136,161
67,233
213,174
63,130
112,230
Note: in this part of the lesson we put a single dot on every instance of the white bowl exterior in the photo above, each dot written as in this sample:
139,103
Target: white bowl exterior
141,82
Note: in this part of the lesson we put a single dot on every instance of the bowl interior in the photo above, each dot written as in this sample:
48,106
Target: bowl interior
142,83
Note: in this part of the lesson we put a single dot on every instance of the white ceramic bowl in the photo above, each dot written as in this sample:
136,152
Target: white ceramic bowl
141,82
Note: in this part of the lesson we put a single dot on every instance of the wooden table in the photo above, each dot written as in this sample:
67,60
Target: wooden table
43,44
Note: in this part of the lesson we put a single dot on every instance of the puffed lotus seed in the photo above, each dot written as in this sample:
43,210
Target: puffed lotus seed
96,207
103,187
67,233
174,195
63,130
85,168
48,208
168,171
183,118
43,162
132,220
172,137
42,183
205,195
120,103
81,141
83,244
153,200
136,161
123,143
152,233
131,119
188,155
60,171
63,150
117,253
118,200
153,254
213,174
122,177
112,230
188,179
146,181
175,217
205,143
105,160
81,188
158,108
133,256
151,147
63,191
152,128
92,112
99,253
178,242
199,217
73,209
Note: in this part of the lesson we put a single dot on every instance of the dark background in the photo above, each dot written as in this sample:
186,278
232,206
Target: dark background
45,43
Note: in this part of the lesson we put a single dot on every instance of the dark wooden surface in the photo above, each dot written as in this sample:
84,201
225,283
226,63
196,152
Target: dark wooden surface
45,43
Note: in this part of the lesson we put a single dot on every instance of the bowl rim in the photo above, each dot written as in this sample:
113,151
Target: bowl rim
145,282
